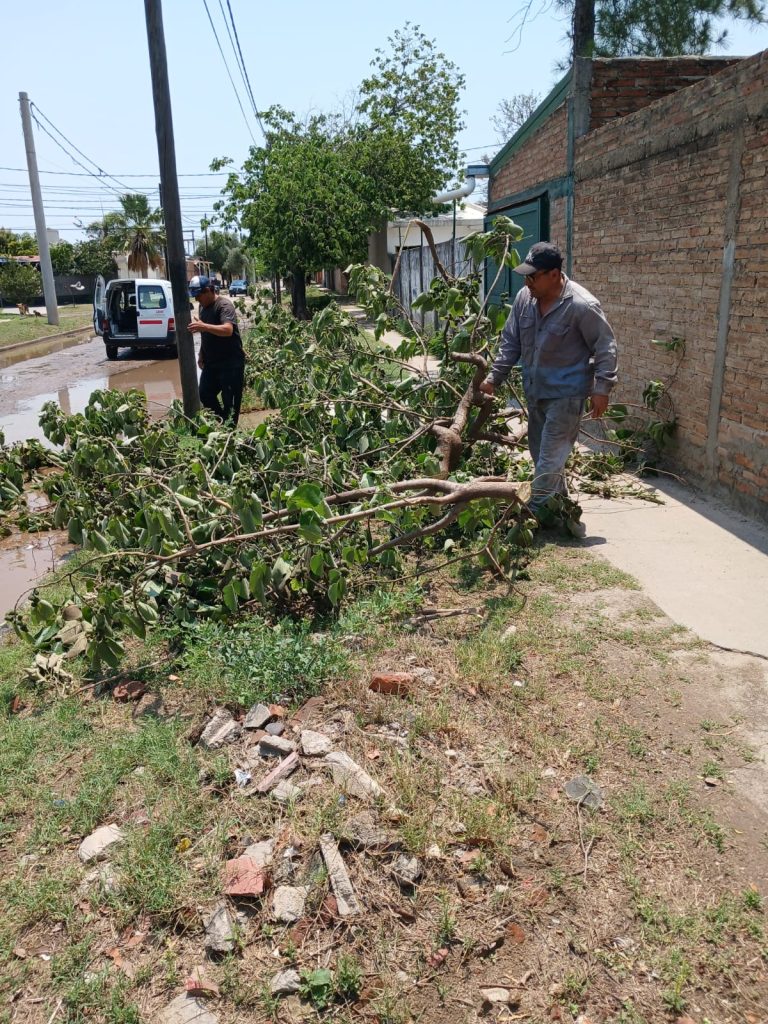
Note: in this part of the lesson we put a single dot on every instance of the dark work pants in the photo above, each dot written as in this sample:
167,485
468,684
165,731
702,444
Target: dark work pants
224,380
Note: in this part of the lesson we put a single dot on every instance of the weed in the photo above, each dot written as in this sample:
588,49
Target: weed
636,805
712,770
317,987
349,977
251,661
677,972
752,899
446,922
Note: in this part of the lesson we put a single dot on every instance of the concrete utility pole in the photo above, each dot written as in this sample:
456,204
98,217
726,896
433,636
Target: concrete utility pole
177,262
49,286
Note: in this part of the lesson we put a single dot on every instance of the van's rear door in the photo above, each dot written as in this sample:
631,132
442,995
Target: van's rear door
99,304
153,311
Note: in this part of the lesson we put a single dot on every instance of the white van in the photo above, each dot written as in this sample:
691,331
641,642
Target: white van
134,314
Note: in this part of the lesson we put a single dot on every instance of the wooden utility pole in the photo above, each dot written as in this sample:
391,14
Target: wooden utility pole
166,152
49,286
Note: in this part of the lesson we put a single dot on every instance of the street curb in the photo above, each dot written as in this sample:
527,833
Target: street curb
21,346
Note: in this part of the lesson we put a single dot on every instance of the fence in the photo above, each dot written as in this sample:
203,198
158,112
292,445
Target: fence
417,269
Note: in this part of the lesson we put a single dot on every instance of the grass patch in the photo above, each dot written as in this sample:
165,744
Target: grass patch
250,661
14,328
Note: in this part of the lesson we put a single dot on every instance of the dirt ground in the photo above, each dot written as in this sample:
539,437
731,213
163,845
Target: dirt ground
649,908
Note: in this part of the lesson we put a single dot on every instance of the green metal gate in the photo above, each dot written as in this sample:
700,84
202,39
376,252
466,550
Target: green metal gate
533,218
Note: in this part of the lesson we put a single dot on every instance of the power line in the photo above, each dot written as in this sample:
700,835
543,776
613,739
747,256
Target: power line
244,68
74,159
229,74
69,142
152,174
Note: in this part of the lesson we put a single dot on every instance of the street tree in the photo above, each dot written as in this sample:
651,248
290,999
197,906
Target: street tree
217,248
654,28
301,199
13,244
317,188
19,283
512,113
140,232
95,256
63,258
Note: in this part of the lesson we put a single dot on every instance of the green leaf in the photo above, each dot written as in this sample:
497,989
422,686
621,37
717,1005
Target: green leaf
230,597
256,580
317,563
75,531
306,495
310,526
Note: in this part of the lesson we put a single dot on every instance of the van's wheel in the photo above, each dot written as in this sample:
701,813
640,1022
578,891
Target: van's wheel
111,351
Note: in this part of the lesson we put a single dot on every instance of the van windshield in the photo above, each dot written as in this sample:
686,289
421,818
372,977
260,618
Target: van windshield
151,296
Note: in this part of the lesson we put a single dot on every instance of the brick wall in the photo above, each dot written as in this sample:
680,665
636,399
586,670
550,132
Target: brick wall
541,158
652,198
620,86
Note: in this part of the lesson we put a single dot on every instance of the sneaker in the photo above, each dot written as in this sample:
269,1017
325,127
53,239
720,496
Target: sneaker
576,528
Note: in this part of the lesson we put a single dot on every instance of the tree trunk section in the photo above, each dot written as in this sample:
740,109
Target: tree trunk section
299,294
583,28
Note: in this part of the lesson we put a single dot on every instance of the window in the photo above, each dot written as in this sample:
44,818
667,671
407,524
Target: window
151,296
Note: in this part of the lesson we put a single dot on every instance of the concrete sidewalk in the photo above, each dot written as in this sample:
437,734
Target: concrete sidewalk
702,563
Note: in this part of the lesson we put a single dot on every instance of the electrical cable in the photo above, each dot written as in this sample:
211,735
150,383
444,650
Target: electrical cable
74,159
245,70
229,74
69,142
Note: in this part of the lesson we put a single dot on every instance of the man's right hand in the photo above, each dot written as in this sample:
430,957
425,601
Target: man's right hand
488,387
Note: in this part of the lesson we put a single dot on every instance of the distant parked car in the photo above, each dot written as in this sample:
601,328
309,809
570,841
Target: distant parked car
238,288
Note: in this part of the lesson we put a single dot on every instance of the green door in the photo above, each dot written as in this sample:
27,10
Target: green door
533,219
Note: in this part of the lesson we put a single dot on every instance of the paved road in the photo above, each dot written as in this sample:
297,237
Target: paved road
70,375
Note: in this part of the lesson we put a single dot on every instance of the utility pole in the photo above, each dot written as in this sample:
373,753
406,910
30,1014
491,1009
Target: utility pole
177,262
49,286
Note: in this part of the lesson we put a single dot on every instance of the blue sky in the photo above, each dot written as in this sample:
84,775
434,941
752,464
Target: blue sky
85,65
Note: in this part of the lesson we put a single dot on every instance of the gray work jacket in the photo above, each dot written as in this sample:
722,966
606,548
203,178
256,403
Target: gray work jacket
570,352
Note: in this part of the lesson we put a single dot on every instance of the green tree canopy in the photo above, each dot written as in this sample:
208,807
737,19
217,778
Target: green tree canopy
301,198
19,283
660,28
135,229
12,244
220,244
63,258
311,195
94,256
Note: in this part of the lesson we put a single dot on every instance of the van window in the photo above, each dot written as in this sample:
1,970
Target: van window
151,296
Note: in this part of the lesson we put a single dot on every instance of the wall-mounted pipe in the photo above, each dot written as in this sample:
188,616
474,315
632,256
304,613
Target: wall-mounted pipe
473,172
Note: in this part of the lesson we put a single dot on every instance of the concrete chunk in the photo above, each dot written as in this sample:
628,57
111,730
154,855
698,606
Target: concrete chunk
95,846
285,791
220,730
288,902
286,983
314,744
219,930
337,872
351,778
186,1009
257,717
275,746
261,853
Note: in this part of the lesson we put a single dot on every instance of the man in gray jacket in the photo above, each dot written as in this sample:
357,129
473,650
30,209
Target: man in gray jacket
566,347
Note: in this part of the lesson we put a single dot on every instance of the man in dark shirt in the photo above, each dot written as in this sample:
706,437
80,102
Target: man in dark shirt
221,358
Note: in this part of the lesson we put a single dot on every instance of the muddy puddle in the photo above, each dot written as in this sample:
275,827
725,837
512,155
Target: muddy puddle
42,348
24,559
158,379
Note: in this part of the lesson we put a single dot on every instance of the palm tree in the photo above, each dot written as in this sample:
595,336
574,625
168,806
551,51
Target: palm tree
138,230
